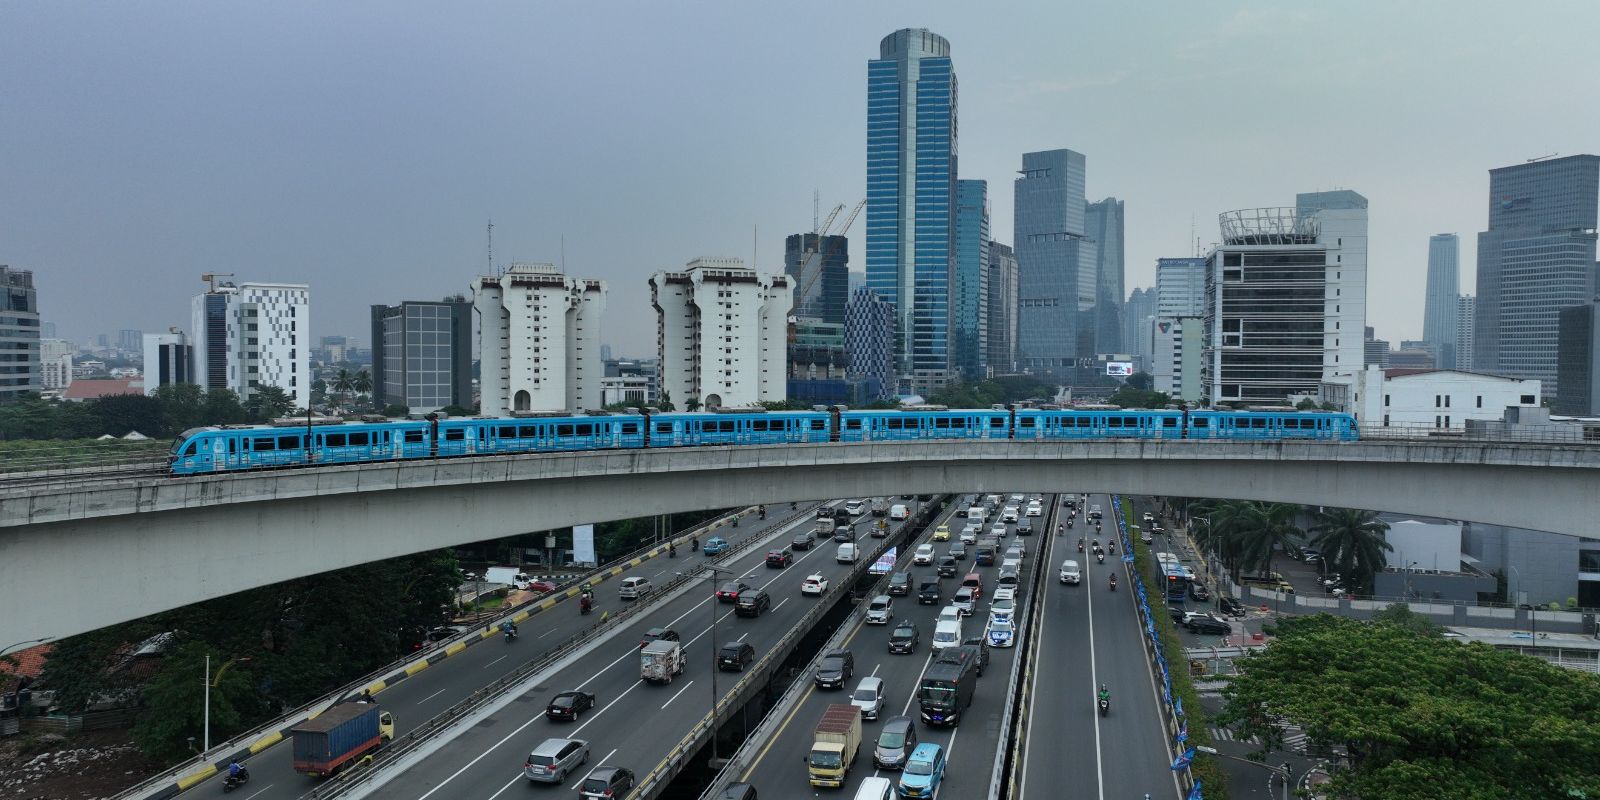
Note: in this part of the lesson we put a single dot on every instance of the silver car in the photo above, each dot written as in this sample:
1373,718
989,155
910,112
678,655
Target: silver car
895,743
554,759
868,697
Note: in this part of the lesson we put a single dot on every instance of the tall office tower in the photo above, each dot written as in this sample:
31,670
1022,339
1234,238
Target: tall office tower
911,198
1001,323
539,333
19,334
820,275
1179,326
1466,321
1138,326
869,338
55,362
1444,286
1180,287
249,335
1102,223
168,359
722,332
1578,361
130,341
1285,299
969,292
49,329
1536,258
1056,264
422,354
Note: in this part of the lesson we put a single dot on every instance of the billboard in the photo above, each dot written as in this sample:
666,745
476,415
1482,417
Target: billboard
583,544
885,563
1119,369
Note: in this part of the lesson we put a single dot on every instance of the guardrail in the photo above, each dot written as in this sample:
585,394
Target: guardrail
373,766
196,770
764,730
657,779
1014,723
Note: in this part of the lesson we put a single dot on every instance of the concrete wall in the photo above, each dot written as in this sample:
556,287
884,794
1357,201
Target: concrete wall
1540,568
149,545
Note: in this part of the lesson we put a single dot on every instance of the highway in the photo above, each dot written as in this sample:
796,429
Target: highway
1091,636
441,685
633,724
779,769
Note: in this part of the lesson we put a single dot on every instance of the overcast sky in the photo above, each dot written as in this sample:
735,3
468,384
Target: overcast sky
361,147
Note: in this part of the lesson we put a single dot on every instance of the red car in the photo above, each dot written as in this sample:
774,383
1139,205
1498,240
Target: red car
729,592
779,558
541,586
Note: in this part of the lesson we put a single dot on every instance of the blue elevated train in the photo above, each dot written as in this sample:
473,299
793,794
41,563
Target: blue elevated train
298,443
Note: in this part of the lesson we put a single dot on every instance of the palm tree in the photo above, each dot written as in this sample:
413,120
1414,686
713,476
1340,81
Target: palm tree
362,382
1254,530
343,382
692,404
1353,542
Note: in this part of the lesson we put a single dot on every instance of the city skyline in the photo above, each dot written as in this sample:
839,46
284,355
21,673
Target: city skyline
170,152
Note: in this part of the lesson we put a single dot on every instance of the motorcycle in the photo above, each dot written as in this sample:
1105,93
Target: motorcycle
235,781
1059,530
1100,557
1069,523
1113,583
585,604
1105,706
1111,547
1080,545
761,513
672,551
694,544
511,634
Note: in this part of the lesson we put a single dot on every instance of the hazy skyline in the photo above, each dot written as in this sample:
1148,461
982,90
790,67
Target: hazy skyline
361,147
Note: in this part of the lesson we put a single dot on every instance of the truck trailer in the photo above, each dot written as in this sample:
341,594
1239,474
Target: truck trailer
338,737
836,743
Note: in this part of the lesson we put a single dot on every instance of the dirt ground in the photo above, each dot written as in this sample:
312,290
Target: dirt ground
91,765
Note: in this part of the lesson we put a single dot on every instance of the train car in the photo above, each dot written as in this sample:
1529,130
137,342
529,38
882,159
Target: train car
930,423
540,434
692,429
240,447
1272,425
1099,424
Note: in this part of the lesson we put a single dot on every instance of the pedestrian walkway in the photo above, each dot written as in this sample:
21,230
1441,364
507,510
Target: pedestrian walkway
1294,739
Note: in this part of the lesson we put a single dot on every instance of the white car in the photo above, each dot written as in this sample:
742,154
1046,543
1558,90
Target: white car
1016,498
868,697
969,534
1002,632
814,584
1149,518
1009,515
1035,510
847,553
949,614
879,609
1002,608
1020,546
855,507
965,600
1004,593
998,531
1070,573
946,633
924,555
1011,563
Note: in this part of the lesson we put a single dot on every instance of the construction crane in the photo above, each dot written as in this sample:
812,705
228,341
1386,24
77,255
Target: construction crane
821,233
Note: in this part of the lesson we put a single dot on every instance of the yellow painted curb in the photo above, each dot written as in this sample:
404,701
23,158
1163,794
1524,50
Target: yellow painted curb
190,780
266,742
416,668
377,686
455,648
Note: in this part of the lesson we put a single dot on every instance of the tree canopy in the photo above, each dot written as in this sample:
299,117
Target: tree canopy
1001,389
1423,717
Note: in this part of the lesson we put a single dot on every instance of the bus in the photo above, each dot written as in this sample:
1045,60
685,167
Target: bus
1175,577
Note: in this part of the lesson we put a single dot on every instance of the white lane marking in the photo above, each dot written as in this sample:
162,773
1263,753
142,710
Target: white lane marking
875,669
480,756
258,794
741,636
1094,691
431,696
680,691
494,662
546,633
780,604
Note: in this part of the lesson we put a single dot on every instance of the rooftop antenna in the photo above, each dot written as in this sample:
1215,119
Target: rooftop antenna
563,252
491,245
1541,158
816,211
754,237
1194,237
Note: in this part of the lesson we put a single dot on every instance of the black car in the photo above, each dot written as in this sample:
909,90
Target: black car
948,567
904,637
982,645
666,634
804,540
835,670
844,533
568,705
974,649
729,592
928,594
735,656
1207,623
607,782
900,583
738,791
957,551
1228,605
1198,591
779,558
752,602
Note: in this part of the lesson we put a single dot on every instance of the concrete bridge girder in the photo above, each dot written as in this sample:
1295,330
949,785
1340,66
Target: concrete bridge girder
105,553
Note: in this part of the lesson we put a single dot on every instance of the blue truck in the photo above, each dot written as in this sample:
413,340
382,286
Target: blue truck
339,737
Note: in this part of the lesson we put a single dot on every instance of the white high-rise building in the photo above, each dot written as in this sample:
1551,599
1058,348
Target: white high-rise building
1466,308
722,333
168,360
251,335
1286,299
540,340
55,362
1180,299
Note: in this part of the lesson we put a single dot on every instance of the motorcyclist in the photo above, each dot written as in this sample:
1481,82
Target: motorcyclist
694,544
761,512
1060,529
1080,544
1113,582
672,549
585,602
236,771
1105,694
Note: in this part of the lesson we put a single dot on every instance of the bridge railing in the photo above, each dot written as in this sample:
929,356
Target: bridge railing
1564,433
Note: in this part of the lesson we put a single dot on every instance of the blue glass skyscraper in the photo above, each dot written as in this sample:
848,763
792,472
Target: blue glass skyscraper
1057,265
911,198
969,292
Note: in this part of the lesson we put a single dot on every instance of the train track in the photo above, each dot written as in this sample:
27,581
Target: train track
31,479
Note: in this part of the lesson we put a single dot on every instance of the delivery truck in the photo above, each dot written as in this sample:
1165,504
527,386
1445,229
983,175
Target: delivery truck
339,737
835,744
660,660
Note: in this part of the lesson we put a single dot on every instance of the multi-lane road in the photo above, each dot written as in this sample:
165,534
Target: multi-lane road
633,724
779,769
431,691
1091,636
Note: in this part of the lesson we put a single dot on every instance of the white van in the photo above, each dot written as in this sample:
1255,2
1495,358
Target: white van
876,789
847,553
633,588
946,634
1070,573
899,511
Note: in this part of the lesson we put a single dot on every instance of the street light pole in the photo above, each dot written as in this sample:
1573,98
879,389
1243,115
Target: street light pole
1281,770
206,742
711,575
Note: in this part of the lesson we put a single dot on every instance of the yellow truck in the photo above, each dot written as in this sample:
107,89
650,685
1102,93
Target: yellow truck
835,745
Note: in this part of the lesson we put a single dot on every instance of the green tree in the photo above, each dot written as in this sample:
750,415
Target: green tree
1247,533
122,413
343,383
1306,404
692,404
1142,380
396,410
222,407
362,382
1352,543
458,411
1401,615
1129,397
175,700
1422,717
267,403
665,401
182,406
